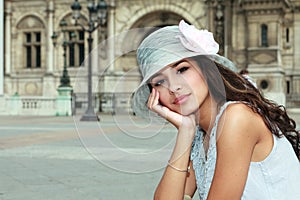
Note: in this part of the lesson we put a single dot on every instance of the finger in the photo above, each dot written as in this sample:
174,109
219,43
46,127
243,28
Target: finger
155,102
150,100
156,106
156,98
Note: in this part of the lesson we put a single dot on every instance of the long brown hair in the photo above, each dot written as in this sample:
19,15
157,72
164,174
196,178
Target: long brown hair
231,86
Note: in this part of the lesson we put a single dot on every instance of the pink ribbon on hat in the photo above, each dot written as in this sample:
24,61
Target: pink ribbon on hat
195,40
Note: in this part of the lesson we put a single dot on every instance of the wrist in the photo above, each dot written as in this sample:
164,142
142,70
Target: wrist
186,169
187,132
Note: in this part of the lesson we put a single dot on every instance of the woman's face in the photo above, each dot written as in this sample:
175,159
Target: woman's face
181,86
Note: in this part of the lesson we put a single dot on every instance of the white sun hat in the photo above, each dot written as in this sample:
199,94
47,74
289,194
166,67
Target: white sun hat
166,46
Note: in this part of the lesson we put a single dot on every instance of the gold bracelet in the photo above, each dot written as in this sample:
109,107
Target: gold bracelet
187,197
177,169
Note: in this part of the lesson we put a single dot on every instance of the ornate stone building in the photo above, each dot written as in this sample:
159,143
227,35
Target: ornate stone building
260,35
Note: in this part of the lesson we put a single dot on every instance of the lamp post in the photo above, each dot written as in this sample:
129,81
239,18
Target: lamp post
65,78
97,17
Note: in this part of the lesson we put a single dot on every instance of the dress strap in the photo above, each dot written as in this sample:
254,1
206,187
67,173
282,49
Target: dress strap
219,115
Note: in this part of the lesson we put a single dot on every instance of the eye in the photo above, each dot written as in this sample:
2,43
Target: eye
159,82
182,69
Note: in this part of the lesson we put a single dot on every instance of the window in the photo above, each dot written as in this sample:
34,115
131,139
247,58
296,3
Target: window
287,35
32,49
31,30
75,39
264,35
288,87
76,49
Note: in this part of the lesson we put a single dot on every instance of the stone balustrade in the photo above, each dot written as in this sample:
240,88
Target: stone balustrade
36,105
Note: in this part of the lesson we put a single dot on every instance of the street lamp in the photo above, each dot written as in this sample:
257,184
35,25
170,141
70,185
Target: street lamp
65,78
97,17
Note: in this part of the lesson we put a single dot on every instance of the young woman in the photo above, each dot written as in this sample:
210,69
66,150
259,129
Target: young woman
232,143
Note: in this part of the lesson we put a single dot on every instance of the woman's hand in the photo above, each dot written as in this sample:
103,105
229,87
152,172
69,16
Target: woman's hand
174,180
178,120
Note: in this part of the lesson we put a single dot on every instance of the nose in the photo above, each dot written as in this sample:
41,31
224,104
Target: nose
175,82
174,87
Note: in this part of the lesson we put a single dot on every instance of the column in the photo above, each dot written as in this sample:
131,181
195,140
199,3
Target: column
1,47
50,56
8,38
111,32
49,86
296,40
220,29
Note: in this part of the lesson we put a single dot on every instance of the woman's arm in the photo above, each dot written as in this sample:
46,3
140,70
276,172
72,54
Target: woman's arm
190,183
173,182
238,133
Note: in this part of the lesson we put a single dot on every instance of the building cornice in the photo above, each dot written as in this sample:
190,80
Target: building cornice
265,6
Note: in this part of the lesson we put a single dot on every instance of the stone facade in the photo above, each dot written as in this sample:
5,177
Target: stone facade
262,36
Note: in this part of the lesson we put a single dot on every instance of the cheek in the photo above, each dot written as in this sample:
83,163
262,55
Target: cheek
196,82
164,102
164,97
199,86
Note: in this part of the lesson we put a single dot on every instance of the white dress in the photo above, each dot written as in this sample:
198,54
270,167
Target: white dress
275,178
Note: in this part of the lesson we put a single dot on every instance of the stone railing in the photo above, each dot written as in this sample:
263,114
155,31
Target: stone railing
106,102
115,103
37,105
65,105
33,105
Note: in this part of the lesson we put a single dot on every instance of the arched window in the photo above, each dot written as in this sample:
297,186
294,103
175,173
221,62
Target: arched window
75,51
264,35
32,30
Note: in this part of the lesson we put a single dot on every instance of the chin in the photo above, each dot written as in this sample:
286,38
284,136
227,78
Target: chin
188,112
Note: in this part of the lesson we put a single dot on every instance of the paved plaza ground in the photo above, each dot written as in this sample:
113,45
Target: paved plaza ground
62,158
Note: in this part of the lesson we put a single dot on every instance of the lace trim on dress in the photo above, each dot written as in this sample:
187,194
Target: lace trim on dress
204,165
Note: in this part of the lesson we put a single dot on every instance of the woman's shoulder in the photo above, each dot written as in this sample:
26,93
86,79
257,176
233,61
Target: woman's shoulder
240,118
240,111
238,106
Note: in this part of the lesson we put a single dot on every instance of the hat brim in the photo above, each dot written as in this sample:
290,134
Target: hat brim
141,94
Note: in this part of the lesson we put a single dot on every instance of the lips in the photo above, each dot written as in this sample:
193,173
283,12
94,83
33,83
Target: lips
181,99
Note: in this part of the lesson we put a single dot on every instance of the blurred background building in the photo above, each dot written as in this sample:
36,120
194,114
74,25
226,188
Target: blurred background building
262,36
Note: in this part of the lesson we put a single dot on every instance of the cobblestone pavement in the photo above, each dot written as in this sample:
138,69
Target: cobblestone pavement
61,158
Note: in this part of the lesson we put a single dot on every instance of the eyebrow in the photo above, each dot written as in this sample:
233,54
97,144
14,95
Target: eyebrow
173,66
177,63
